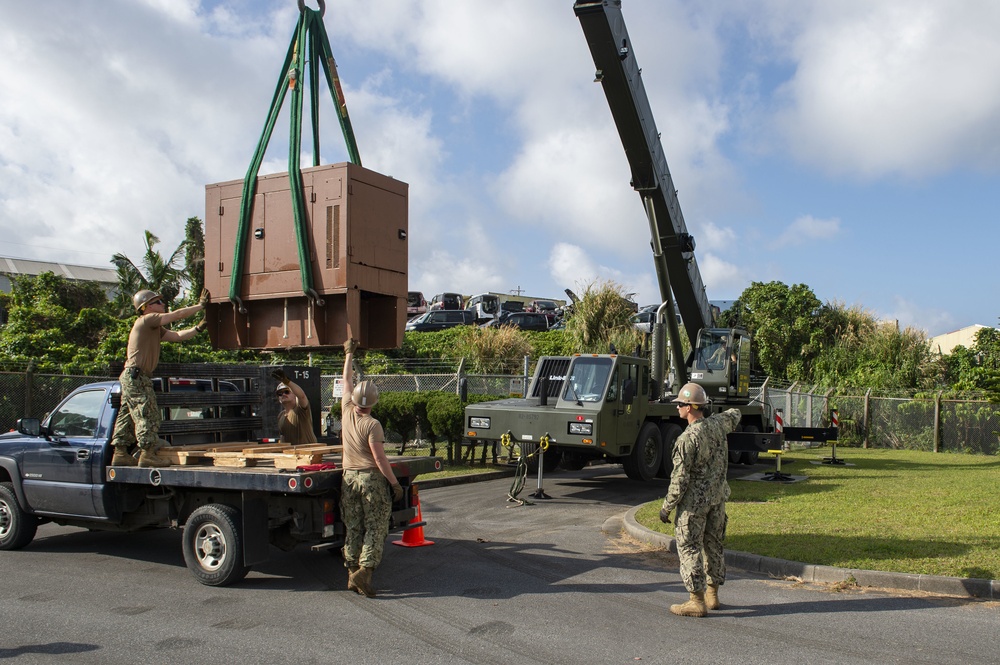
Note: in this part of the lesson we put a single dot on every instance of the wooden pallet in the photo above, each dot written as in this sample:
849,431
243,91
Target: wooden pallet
242,455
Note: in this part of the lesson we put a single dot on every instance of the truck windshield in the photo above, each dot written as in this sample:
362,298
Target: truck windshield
713,351
588,379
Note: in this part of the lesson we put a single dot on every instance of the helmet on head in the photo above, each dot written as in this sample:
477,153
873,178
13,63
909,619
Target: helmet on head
142,298
691,393
365,395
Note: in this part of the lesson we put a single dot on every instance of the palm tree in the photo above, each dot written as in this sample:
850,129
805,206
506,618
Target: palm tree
156,274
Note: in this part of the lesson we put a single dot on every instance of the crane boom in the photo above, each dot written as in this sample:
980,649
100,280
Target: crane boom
620,76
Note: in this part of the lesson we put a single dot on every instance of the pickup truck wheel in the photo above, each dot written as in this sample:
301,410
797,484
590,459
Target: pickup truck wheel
669,433
17,528
213,545
644,461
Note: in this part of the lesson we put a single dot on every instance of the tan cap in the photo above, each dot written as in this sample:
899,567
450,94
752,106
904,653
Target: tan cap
365,395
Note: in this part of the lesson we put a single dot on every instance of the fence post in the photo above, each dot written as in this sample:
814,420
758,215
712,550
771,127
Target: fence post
865,416
788,404
459,373
29,388
527,364
937,422
809,406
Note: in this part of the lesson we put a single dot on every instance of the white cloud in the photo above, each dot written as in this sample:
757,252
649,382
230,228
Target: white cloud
897,87
806,229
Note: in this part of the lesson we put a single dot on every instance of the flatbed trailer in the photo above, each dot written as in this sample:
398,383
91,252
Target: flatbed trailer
233,499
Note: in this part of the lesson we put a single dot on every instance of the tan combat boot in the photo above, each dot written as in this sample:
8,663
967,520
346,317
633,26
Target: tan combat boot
352,585
148,458
695,607
712,597
122,458
363,582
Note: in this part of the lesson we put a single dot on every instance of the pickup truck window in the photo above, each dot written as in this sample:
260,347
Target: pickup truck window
78,417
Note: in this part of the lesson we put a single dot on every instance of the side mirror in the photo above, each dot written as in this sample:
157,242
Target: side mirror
29,426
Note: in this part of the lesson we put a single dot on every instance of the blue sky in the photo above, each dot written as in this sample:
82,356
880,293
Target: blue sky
853,146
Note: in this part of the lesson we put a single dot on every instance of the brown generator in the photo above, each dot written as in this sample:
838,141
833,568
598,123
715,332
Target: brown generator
356,227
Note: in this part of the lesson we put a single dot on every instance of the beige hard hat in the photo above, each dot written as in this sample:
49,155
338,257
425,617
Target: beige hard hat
142,298
691,393
365,395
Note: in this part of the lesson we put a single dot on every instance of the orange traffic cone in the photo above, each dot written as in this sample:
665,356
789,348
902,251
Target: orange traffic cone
414,536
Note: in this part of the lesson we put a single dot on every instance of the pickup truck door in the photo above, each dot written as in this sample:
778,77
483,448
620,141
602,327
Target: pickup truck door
58,472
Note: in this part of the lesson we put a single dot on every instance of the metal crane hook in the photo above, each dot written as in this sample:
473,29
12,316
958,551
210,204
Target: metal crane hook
321,3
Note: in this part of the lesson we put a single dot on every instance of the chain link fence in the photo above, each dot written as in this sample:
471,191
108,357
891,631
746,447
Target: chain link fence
911,423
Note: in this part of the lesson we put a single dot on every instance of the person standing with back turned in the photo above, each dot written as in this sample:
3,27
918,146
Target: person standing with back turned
698,490
139,417
365,500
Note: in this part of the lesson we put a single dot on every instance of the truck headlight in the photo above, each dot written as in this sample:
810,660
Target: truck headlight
478,422
581,429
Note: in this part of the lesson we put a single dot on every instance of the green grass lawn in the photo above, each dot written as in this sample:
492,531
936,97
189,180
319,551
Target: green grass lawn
894,510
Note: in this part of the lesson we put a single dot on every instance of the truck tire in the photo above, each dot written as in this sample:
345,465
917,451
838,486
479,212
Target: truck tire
573,461
749,457
669,433
213,545
17,528
644,461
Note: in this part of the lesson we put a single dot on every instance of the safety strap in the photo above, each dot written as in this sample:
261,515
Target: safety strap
310,47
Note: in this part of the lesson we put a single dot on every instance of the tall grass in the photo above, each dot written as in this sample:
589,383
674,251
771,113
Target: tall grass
893,510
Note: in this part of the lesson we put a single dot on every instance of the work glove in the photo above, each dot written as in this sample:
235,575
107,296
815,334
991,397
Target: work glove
664,515
397,492
280,376
204,298
351,345
201,325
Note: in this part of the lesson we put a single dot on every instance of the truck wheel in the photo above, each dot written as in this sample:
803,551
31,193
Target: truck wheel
647,454
213,545
669,433
549,464
749,457
17,528
573,461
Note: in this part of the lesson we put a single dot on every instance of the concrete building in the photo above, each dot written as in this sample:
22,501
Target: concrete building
11,267
963,337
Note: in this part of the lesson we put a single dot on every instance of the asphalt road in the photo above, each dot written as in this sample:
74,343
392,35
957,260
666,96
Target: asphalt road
549,583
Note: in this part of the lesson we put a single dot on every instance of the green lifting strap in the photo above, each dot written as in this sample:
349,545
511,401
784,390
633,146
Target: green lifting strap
310,47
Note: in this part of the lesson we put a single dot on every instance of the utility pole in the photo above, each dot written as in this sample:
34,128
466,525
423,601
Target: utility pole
517,291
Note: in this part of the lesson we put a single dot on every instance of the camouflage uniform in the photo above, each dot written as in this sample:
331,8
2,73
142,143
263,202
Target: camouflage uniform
698,490
365,504
139,417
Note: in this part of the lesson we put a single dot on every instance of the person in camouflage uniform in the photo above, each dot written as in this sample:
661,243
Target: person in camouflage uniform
138,420
698,491
365,501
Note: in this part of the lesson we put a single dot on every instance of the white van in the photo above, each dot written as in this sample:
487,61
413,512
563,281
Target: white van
486,307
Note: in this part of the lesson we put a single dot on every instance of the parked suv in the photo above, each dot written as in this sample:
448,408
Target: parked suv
522,320
441,319
446,301
415,303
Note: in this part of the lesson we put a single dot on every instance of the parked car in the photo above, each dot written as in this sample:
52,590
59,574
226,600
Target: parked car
415,303
534,321
446,301
486,307
546,307
441,319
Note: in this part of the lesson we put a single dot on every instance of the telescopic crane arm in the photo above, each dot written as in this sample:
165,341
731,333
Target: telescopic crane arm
673,247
